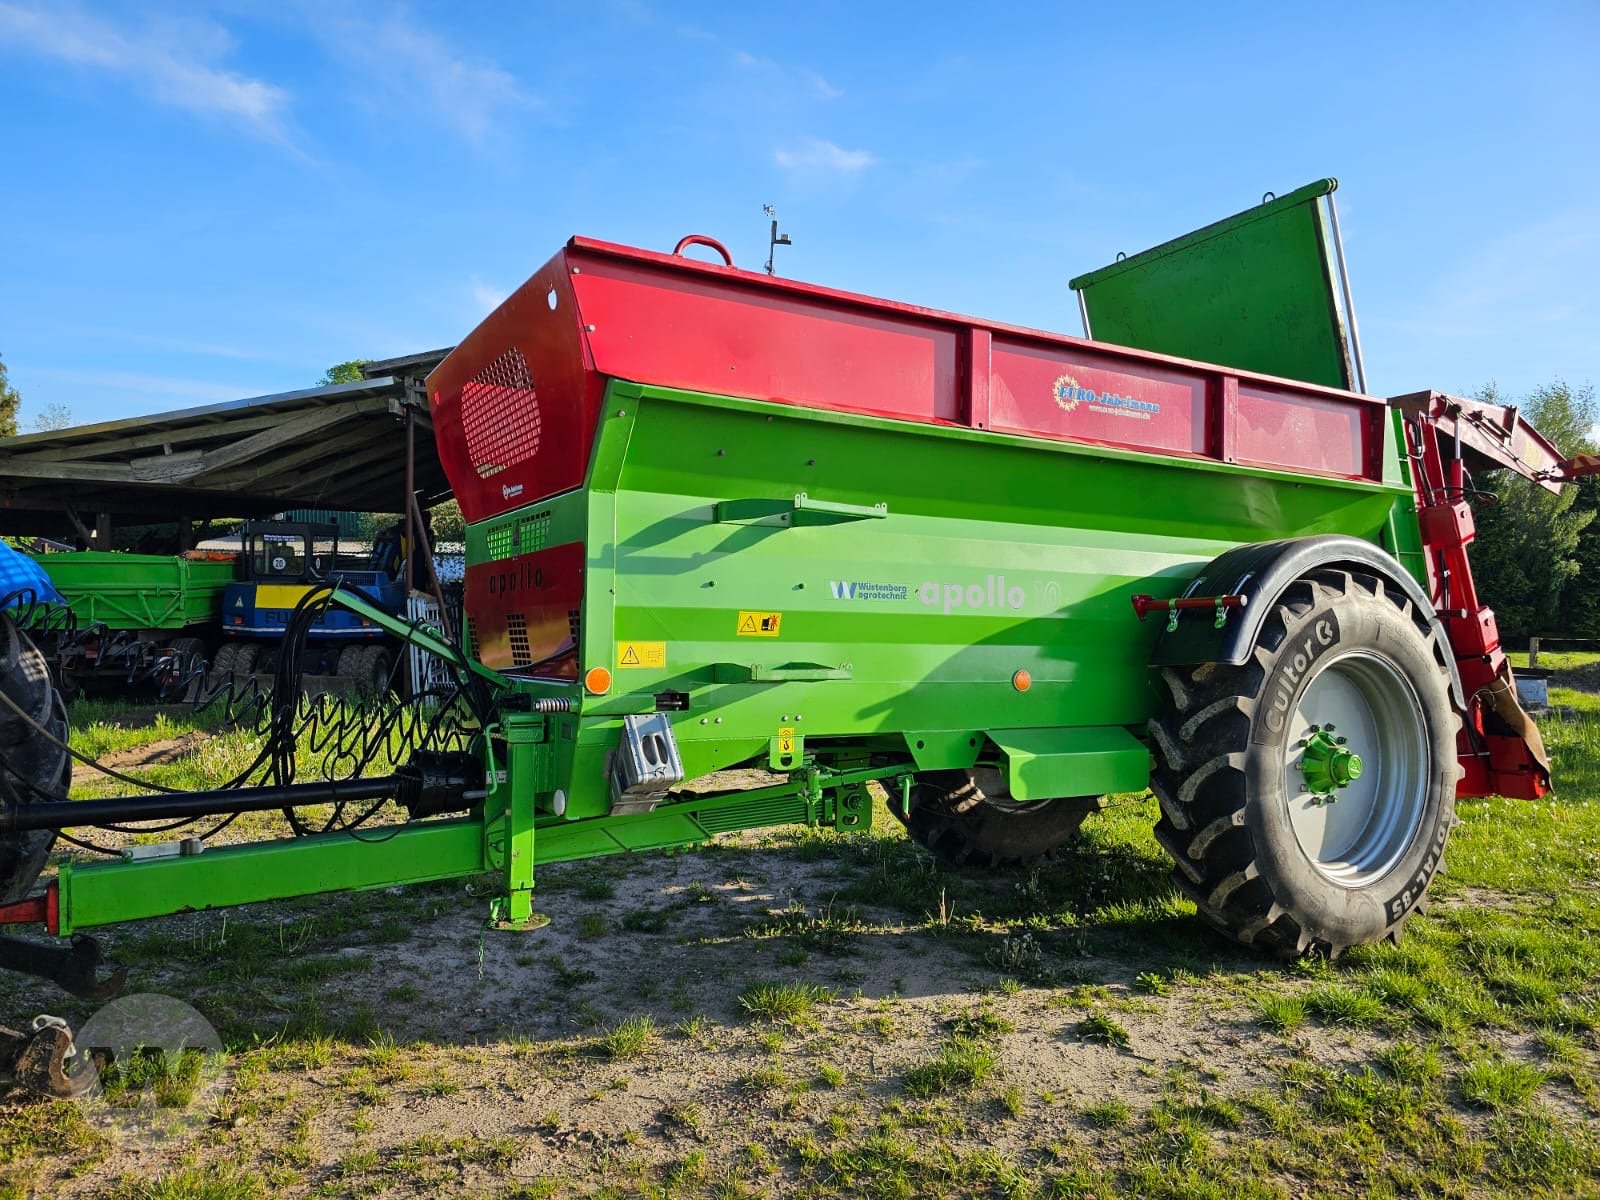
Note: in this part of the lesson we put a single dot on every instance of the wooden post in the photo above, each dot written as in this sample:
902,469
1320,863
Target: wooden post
411,491
102,531
1533,652
426,546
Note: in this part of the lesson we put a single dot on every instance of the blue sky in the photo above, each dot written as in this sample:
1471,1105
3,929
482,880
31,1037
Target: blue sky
208,201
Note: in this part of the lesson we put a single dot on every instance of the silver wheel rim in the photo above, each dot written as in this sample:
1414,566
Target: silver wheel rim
1373,820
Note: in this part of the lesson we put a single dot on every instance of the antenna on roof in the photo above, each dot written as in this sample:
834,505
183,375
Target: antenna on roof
775,239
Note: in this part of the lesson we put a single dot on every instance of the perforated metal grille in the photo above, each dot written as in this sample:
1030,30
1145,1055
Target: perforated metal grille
500,415
572,624
517,628
499,542
787,811
472,639
533,533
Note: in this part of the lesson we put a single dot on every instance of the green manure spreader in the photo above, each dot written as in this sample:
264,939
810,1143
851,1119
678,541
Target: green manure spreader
721,520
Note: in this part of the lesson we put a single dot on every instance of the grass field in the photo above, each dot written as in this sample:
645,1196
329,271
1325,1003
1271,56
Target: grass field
805,1013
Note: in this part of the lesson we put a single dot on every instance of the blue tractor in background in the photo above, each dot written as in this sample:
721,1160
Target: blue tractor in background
279,563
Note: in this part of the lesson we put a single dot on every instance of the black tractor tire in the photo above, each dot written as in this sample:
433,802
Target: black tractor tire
189,650
35,768
968,818
376,666
234,658
1264,856
348,665
187,653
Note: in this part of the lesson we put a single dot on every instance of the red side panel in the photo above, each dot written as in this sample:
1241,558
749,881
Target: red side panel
655,323
1073,392
515,404
1279,427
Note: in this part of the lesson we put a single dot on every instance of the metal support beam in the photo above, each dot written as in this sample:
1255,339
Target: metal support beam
103,893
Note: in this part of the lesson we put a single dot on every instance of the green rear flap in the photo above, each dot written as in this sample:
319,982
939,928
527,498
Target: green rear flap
1254,291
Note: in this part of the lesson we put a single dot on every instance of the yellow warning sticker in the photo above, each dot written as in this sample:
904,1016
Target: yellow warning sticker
758,624
786,740
642,654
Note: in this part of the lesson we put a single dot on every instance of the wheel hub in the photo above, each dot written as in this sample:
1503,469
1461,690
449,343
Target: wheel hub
1356,768
1327,763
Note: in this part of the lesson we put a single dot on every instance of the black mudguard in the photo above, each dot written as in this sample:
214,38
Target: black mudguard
1261,572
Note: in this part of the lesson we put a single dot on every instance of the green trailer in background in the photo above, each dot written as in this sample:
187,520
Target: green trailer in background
147,592
136,616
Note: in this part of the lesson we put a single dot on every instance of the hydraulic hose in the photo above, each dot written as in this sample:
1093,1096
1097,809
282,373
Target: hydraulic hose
19,818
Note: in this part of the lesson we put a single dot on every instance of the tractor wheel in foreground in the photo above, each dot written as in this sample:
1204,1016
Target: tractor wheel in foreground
35,767
1306,796
969,818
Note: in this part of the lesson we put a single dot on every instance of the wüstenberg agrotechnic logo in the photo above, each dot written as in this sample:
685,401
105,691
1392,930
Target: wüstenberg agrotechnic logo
1068,395
943,596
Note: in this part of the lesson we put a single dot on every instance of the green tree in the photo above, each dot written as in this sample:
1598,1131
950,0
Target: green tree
10,398
1583,610
1529,558
54,416
345,372
448,525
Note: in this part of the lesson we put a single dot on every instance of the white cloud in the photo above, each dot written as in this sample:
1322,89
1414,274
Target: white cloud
172,388
791,79
173,62
405,63
164,342
1522,271
821,88
486,297
815,154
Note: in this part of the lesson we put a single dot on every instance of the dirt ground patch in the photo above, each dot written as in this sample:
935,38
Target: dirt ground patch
150,754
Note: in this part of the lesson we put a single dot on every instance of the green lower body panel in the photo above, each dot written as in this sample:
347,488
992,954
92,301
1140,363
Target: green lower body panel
1091,760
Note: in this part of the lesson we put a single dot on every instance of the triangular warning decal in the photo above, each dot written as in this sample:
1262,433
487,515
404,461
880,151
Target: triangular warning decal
239,603
630,657
749,624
